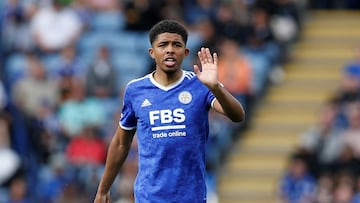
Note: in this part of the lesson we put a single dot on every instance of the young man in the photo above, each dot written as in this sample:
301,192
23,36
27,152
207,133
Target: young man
169,109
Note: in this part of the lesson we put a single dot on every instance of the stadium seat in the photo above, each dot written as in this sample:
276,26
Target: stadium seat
129,66
108,21
15,67
142,42
121,41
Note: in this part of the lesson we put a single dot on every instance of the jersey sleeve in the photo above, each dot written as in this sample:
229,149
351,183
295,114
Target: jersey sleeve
128,119
210,99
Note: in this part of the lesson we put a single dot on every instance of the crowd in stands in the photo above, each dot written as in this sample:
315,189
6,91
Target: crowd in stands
65,63
325,166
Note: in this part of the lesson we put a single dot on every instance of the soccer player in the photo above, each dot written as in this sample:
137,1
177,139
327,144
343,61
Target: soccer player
168,109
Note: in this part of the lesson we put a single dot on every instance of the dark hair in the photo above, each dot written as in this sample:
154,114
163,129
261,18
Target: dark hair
170,26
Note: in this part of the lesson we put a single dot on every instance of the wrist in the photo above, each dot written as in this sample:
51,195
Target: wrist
217,86
102,191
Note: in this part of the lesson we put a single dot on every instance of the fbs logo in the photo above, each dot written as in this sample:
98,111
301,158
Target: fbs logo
167,116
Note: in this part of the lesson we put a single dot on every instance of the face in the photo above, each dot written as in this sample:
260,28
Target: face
168,50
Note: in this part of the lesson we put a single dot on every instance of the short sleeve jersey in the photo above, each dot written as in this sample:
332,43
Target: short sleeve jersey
172,130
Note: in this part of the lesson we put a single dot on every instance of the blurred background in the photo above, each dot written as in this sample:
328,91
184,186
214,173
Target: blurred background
294,64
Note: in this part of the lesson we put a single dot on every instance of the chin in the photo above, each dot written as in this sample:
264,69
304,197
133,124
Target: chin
171,70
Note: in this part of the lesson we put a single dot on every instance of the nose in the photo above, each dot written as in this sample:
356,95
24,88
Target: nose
170,49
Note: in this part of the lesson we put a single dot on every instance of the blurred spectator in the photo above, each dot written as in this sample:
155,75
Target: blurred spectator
208,35
78,111
101,78
344,188
141,14
127,176
18,192
172,9
350,80
257,52
285,20
297,185
235,70
324,189
16,30
86,154
3,96
36,89
285,23
66,63
227,24
199,9
31,96
259,24
53,178
349,89
356,196
103,5
351,135
353,67
9,159
86,148
323,142
49,21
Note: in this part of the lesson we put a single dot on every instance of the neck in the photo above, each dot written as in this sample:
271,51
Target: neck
167,78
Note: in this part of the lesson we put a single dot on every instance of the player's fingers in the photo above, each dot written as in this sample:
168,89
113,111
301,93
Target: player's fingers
196,69
201,57
108,199
209,58
215,58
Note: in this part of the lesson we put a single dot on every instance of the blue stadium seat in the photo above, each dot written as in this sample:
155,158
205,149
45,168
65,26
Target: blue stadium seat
142,42
108,21
15,67
122,41
129,65
116,41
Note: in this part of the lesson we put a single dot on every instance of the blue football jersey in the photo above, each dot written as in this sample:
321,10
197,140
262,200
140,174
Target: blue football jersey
172,130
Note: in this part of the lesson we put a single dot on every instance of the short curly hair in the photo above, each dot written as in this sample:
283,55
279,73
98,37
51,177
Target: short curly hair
169,26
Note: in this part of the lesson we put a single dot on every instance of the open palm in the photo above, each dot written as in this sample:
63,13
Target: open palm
208,74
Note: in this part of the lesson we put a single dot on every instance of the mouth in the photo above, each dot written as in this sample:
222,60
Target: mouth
170,61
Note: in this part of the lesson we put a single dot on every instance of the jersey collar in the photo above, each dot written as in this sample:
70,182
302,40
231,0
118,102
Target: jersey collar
166,88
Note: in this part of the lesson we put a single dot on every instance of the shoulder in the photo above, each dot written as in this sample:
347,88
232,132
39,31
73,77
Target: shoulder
189,75
138,82
190,78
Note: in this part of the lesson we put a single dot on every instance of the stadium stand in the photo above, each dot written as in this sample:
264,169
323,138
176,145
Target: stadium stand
259,166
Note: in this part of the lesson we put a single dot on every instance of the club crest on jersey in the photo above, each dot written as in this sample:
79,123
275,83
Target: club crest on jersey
185,97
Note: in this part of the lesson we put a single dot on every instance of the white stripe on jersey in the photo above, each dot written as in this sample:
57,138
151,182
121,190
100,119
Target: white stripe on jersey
137,79
168,127
189,74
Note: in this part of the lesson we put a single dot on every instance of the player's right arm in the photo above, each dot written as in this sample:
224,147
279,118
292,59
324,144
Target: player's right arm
117,153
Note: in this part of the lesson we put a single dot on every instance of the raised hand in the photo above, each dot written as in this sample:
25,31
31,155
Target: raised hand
208,73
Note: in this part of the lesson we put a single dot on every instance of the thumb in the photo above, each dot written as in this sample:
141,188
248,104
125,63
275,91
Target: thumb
197,69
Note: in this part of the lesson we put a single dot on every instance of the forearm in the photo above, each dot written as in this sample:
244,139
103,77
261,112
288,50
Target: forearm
230,106
117,153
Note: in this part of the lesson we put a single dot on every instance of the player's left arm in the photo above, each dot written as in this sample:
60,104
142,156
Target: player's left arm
225,103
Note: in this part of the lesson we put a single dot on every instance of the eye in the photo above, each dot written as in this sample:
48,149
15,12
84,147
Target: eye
178,45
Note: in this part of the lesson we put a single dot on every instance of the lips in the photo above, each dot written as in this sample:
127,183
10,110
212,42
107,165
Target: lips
170,61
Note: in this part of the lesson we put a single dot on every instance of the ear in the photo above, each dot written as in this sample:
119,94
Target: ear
187,51
151,52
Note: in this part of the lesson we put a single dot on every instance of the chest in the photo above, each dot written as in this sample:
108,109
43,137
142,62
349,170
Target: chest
165,107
